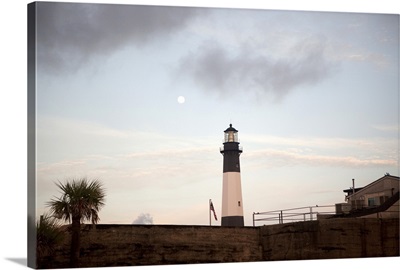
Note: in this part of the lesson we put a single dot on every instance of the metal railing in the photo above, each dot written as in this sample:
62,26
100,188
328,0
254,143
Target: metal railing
293,214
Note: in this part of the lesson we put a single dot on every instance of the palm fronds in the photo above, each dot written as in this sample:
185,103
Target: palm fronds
80,198
49,234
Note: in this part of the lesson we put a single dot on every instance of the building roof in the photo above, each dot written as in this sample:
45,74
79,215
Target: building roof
386,176
382,178
350,190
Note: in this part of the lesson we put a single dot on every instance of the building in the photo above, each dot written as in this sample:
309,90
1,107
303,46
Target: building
378,199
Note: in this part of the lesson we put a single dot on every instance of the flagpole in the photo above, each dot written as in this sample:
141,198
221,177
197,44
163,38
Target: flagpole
209,209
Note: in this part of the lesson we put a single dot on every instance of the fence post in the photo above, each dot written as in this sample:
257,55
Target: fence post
311,217
254,222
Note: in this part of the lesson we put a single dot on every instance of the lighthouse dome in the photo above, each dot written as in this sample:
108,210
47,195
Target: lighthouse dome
230,128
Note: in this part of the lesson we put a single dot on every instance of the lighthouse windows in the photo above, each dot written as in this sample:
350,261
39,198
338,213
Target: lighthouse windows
239,203
231,136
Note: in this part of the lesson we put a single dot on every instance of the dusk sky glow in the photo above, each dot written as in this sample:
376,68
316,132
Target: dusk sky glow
314,96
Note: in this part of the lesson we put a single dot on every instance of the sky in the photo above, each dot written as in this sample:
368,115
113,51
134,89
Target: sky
314,96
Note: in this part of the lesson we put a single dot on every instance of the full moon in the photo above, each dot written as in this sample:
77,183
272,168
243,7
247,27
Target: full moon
181,99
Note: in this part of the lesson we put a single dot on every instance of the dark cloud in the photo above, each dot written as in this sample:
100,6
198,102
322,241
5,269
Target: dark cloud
218,70
70,34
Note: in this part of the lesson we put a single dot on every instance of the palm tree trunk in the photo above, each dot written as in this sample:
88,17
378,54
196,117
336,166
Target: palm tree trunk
75,241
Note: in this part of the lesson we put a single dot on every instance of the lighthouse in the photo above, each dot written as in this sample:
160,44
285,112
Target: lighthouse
232,203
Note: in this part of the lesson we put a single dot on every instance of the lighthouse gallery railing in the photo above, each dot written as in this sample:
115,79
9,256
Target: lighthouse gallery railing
221,149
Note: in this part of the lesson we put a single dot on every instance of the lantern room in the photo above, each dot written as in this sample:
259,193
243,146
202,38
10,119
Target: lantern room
231,134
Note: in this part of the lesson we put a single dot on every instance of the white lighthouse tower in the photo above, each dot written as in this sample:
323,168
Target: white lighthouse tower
232,204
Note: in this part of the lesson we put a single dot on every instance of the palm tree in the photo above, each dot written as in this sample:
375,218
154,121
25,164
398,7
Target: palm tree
49,235
80,200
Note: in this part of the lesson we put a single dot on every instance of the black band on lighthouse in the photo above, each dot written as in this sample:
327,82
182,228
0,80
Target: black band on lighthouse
231,161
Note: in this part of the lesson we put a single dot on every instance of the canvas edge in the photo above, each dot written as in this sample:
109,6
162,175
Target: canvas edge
31,134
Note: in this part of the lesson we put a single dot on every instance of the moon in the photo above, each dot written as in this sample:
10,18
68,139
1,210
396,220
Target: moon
181,99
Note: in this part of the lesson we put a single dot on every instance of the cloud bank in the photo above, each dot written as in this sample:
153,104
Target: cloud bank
252,71
70,34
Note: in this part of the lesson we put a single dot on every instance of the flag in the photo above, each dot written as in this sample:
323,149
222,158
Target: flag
212,209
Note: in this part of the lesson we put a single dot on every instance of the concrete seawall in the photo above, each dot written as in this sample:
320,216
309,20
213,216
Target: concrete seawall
127,245
330,239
